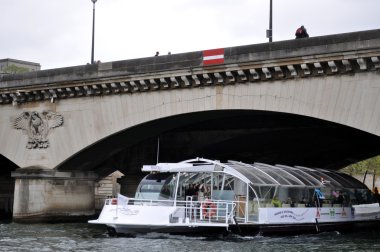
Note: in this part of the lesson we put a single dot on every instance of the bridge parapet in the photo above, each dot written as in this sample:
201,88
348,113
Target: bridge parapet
313,57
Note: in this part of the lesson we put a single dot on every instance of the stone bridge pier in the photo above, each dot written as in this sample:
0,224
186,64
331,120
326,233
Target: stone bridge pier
45,195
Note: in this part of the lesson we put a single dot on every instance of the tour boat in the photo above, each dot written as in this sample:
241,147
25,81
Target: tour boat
204,196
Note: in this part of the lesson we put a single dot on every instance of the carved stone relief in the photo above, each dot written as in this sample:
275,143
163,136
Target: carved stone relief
37,126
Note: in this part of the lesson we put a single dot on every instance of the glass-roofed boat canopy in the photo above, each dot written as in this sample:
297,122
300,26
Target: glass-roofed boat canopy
263,183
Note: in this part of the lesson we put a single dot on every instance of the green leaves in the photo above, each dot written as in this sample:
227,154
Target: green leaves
13,69
372,165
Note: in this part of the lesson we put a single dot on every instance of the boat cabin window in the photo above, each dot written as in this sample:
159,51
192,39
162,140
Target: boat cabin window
227,187
155,186
277,196
194,186
216,186
256,185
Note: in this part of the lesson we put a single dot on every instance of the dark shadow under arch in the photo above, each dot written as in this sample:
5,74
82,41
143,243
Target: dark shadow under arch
7,185
242,135
6,166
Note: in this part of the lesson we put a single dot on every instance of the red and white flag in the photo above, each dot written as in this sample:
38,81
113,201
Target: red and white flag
214,56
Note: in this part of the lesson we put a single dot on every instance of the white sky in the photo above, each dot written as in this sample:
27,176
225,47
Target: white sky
57,33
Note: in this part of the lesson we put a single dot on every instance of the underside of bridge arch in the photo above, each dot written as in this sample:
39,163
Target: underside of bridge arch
7,166
7,185
249,136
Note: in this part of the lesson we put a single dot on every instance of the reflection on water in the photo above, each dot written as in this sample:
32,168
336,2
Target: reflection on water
85,237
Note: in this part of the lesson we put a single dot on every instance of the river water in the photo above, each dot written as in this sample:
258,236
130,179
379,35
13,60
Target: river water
86,237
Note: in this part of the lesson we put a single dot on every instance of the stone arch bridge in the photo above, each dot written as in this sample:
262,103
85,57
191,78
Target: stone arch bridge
312,102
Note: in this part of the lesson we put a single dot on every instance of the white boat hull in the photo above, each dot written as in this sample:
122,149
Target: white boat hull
143,218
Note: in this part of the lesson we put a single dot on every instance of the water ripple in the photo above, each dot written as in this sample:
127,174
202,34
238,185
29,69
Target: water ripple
85,237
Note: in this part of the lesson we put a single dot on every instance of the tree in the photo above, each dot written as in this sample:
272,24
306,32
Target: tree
13,69
371,165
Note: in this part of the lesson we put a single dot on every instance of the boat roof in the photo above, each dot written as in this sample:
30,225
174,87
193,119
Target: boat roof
263,174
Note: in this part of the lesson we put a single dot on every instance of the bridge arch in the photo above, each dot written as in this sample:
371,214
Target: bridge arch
260,136
343,100
311,102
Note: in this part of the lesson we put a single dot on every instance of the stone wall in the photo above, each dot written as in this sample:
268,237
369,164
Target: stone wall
43,195
105,188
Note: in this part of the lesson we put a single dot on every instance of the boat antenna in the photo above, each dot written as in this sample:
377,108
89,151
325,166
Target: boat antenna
158,148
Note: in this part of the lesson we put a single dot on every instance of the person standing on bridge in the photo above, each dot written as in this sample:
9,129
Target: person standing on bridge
301,33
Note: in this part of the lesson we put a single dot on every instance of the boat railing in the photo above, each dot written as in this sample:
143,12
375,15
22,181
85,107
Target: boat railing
208,211
187,211
136,201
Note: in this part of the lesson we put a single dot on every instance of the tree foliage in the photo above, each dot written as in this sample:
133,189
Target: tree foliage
372,165
13,69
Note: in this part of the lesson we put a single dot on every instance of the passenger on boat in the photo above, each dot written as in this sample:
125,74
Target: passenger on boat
201,196
191,191
196,190
318,197
340,198
276,202
369,197
207,192
290,202
359,197
376,195
303,202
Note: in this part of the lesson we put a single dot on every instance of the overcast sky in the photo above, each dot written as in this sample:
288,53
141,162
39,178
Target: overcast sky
57,33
